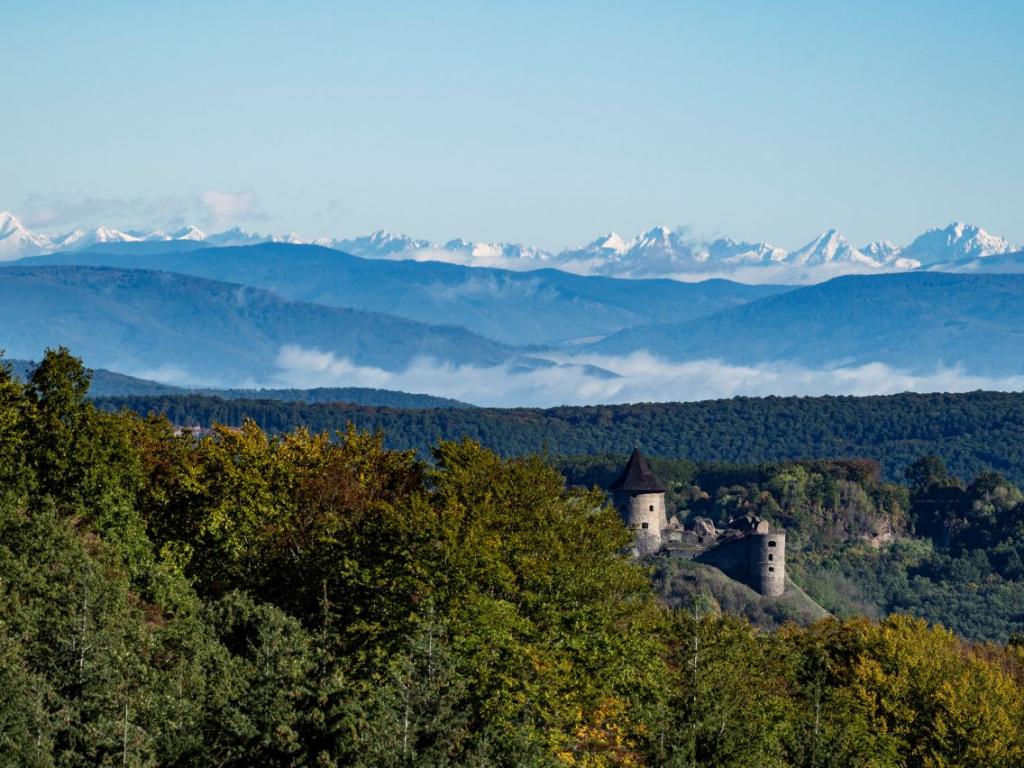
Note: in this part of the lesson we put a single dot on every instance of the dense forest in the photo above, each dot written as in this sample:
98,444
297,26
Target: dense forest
970,432
306,599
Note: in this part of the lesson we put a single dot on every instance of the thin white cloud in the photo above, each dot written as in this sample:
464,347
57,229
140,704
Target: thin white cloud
219,209
210,208
641,377
56,212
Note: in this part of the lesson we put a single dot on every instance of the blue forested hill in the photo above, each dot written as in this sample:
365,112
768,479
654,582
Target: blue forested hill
539,307
138,320
914,321
106,383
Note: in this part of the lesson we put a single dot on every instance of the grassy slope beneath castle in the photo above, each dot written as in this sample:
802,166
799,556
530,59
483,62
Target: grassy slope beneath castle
690,585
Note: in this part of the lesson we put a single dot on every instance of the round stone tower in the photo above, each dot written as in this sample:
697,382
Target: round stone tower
768,563
639,497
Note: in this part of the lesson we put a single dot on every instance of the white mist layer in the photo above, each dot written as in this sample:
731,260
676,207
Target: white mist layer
641,377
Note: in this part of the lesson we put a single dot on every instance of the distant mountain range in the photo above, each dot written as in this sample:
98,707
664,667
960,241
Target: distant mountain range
658,252
914,322
675,253
521,308
17,241
280,315
188,330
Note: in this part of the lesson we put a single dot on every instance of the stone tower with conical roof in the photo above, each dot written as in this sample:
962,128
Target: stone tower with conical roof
639,497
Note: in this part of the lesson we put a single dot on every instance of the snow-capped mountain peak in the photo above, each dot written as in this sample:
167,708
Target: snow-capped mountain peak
607,246
612,242
234,237
68,240
660,243
16,240
955,242
79,239
10,225
725,250
110,235
882,251
829,247
659,234
379,244
188,232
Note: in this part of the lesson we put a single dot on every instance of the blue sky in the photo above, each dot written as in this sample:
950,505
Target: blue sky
543,122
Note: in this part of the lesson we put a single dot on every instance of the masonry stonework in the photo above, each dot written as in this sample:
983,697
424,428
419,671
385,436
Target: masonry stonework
768,563
644,515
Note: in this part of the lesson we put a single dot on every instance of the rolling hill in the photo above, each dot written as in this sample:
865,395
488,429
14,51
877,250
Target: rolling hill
539,307
914,321
106,383
186,329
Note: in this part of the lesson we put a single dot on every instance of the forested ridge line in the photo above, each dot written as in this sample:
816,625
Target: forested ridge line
972,432
294,600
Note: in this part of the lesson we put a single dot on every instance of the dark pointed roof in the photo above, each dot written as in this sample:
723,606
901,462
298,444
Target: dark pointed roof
637,477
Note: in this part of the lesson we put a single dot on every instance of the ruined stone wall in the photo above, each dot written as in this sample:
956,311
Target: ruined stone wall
757,560
730,557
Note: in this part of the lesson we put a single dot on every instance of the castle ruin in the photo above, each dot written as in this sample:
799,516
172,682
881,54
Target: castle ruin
747,550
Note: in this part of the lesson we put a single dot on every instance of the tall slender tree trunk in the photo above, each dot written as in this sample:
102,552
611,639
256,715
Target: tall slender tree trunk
124,740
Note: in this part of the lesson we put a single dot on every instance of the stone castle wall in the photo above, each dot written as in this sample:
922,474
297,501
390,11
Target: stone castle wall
644,514
732,557
756,559
768,563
